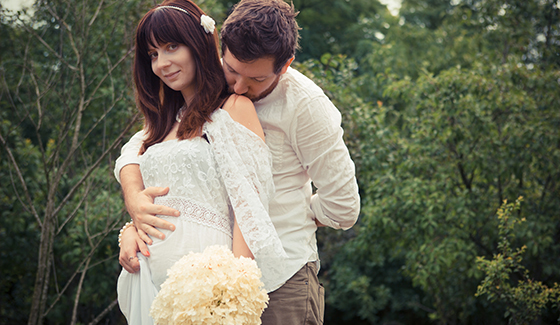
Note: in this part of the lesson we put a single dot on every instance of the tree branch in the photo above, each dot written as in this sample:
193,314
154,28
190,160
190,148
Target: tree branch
78,292
22,181
75,212
31,31
94,166
79,268
104,312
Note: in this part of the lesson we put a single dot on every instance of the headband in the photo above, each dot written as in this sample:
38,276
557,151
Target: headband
208,23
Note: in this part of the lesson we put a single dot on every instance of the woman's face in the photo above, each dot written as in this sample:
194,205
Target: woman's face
174,65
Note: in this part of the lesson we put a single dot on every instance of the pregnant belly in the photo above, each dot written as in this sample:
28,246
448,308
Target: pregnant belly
196,229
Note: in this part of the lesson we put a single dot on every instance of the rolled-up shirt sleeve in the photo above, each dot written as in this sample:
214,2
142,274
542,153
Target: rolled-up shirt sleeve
324,155
129,153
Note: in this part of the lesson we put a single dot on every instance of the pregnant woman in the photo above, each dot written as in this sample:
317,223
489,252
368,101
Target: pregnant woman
206,145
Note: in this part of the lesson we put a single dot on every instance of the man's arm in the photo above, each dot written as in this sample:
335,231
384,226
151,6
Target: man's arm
321,149
140,204
129,153
139,201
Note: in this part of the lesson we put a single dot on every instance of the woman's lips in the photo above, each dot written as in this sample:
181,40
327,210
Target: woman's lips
172,75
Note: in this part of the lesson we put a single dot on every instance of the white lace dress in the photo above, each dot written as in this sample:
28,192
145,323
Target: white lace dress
209,182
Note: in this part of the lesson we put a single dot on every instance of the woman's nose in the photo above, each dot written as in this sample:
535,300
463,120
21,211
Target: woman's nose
162,61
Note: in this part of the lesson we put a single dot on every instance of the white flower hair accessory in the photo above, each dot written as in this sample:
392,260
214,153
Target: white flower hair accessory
208,23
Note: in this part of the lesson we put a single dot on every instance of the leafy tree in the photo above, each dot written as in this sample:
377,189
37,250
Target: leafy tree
449,109
65,102
527,29
443,125
336,27
525,300
431,176
429,14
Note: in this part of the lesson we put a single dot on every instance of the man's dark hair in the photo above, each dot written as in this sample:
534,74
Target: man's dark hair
258,29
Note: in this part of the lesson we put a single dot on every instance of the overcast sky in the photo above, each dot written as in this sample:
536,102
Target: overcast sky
16,4
393,5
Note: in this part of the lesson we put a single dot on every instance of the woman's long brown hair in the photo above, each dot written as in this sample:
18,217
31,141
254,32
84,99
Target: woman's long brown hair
158,103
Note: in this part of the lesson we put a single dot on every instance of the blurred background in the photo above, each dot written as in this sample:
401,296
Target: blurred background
450,109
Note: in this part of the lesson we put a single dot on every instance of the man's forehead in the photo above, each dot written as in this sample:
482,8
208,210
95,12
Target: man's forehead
263,67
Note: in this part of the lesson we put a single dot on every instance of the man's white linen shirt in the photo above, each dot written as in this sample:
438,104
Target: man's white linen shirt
302,129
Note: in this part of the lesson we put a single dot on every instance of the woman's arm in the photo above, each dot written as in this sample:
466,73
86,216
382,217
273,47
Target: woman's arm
240,247
242,110
130,245
245,164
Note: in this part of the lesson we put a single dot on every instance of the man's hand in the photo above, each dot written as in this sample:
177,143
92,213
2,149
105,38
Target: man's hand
319,224
130,245
140,204
143,211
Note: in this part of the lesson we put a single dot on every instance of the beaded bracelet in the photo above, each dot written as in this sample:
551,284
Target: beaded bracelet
125,227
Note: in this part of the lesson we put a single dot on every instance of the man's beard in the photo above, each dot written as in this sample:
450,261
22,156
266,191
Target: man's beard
262,95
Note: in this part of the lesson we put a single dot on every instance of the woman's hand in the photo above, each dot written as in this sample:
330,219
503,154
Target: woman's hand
131,244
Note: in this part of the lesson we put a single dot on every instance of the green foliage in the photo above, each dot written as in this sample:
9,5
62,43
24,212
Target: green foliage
443,127
429,14
462,142
354,296
337,27
65,100
526,300
66,103
449,109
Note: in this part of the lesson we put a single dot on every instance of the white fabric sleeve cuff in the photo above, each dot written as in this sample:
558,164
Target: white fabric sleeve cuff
320,215
129,154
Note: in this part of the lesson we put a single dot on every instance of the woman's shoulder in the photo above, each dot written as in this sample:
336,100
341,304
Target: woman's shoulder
238,105
242,110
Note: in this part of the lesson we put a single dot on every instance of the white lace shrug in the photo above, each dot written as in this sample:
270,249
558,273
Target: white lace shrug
210,183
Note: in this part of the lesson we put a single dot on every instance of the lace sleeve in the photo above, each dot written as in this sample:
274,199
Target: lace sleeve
245,165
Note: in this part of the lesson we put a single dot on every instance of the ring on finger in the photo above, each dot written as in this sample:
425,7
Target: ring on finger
132,257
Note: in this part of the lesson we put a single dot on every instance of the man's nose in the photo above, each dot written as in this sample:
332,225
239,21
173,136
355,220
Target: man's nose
240,86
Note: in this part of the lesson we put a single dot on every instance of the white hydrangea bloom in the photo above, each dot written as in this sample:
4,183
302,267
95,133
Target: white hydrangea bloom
212,287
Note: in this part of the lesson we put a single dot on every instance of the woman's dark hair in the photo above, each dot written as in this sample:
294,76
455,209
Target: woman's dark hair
158,103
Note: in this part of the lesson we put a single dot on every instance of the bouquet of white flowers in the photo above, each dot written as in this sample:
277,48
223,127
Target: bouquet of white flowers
212,287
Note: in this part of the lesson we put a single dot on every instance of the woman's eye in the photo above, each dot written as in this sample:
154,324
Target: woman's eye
172,47
152,55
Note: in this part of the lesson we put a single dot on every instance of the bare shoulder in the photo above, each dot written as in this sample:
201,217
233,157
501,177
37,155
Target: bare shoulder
242,110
